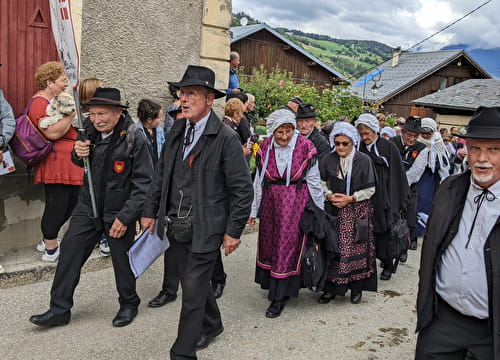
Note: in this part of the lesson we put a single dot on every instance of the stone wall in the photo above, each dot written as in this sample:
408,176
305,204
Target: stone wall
136,46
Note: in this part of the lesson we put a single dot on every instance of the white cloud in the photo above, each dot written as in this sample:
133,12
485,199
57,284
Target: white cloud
395,23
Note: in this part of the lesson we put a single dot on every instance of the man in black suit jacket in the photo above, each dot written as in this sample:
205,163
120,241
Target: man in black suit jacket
410,149
206,204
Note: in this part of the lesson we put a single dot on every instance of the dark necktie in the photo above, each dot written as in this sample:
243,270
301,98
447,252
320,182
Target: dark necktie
189,138
479,199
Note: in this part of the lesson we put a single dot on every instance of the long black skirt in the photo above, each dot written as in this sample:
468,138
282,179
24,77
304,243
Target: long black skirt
278,288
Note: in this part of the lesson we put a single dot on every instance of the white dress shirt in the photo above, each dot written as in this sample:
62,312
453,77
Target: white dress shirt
461,278
199,127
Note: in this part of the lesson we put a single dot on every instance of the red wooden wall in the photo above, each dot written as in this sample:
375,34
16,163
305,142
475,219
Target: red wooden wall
26,42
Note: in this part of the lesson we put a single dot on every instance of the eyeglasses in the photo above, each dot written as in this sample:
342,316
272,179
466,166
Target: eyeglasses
343,143
189,94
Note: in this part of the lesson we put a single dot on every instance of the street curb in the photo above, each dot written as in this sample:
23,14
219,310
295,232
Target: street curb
32,271
40,271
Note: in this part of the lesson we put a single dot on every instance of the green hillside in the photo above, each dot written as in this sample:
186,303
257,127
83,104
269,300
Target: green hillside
349,57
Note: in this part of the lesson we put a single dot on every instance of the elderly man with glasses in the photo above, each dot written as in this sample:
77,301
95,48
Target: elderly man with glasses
414,155
205,205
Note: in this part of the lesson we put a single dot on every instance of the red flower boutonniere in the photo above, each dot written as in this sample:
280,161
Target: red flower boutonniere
414,154
191,159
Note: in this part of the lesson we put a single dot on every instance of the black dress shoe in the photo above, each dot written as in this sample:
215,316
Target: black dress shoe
49,319
413,244
326,298
356,298
206,339
162,299
124,317
386,274
274,310
403,257
218,289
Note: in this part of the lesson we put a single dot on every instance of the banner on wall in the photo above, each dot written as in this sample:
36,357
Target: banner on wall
64,36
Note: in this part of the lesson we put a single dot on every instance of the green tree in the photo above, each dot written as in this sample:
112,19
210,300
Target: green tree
275,88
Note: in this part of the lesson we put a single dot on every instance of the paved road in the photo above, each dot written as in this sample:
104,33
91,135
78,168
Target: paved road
381,327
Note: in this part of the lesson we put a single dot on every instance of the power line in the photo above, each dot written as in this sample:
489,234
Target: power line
447,26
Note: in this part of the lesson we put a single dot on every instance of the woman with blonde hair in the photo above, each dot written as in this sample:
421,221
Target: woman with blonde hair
61,178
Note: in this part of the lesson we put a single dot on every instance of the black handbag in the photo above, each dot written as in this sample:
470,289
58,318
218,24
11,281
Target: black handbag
314,265
400,239
181,228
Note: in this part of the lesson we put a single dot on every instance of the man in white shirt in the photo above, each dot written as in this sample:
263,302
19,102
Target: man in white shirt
458,302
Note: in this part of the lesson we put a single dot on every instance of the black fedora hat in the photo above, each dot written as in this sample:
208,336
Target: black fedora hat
414,124
484,124
106,96
306,110
199,76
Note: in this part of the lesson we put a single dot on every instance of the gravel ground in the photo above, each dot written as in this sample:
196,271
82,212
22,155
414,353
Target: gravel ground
381,327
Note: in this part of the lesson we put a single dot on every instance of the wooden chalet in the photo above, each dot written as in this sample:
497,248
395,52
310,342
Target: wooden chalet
262,45
455,105
412,75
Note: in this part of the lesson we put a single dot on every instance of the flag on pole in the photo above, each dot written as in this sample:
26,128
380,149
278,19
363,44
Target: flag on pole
64,36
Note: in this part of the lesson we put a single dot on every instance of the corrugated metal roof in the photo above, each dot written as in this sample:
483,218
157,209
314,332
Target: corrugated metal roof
412,67
240,32
467,95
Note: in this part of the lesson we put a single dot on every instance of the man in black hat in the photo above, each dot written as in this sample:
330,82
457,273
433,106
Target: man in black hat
414,156
122,170
306,124
458,301
205,205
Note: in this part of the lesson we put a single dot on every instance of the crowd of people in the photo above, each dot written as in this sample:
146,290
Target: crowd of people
190,178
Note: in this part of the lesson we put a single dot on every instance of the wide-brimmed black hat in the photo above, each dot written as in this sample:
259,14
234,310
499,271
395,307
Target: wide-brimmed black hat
484,124
199,76
414,124
306,110
106,96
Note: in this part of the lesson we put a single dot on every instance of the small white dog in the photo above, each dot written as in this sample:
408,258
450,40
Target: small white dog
60,106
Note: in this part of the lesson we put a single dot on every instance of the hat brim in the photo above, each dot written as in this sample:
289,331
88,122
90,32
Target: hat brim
483,132
194,82
413,129
104,102
306,116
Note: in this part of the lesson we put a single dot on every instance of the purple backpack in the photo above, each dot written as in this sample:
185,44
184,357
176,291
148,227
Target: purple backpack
28,143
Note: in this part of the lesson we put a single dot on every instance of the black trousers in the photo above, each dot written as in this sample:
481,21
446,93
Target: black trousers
411,211
452,335
60,200
218,275
170,273
382,243
200,313
76,247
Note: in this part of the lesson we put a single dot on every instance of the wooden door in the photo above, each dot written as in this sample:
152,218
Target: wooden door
26,42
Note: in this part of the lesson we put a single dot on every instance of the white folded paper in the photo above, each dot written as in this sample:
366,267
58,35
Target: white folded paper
7,165
145,250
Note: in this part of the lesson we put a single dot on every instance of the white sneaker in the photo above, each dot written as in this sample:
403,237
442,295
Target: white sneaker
51,258
104,249
41,246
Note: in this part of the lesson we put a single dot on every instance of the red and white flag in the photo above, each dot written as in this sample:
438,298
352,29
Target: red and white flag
64,36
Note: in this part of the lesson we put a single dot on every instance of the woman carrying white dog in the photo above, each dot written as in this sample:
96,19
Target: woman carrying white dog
61,178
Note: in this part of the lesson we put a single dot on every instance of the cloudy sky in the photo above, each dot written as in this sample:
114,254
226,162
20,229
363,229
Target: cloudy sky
393,22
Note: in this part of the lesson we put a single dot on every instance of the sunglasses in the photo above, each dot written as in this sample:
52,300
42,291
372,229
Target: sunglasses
343,143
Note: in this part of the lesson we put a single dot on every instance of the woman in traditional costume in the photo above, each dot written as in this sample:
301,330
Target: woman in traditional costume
287,177
349,180
437,168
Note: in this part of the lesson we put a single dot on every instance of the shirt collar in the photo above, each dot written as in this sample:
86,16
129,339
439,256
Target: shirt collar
200,124
494,189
